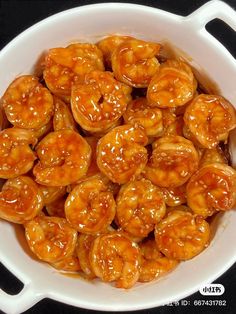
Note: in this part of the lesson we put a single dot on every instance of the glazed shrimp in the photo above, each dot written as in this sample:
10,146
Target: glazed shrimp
150,119
173,85
209,119
64,158
43,130
90,207
27,103
70,263
20,200
153,263
181,235
121,154
51,239
83,249
183,208
134,62
63,118
168,116
114,257
108,44
174,159
51,193
99,102
140,206
111,187
93,168
174,196
188,135
214,155
127,235
174,128
57,207
100,134
16,156
211,189
66,66
172,124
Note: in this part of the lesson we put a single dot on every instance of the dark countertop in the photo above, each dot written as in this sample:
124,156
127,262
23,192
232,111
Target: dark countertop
16,16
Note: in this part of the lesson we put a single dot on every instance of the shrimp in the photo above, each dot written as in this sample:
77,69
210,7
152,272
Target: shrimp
64,158
214,155
189,135
181,235
51,193
179,111
168,116
100,134
93,168
90,207
134,62
209,119
126,234
20,200
150,119
111,187
83,249
27,103
51,239
212,188
99,102
63,118
183,208
173,85
153,263
57,207
175,128
121,154
16,156
173,161
70,263
140,206
114,257
174,196
108,44
66,66
172,124
43,130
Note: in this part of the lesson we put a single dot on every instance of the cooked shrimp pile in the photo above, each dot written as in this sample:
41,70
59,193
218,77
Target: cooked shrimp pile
114,160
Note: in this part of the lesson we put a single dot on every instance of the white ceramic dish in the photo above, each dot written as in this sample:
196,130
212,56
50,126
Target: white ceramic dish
90,23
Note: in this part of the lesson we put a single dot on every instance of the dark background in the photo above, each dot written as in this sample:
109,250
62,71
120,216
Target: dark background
16,16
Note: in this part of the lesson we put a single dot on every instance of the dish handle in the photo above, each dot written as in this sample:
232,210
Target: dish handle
212,10
15,304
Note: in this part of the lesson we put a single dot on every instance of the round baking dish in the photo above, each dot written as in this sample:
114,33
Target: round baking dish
90,23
